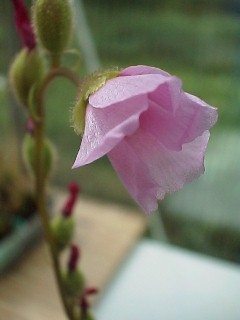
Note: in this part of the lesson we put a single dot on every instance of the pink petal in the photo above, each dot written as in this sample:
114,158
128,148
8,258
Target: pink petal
135,175
203,116
167,96
137,70
173,130
107,127
121,88
168,171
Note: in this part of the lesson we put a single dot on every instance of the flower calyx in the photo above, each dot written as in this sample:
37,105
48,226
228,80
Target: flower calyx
62,230
88,87
26,71
73,279
29,150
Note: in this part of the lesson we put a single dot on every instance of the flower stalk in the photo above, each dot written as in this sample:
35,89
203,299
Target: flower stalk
40,181
154,134
30,81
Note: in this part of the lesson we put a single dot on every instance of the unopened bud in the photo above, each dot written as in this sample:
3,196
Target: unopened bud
62,230
73,283
84,302
91,291
88,316
73,189
26,70
30,127
23,24
73,259
30,155
53,24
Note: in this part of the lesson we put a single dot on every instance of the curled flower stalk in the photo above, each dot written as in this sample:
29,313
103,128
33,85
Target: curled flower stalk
40,183
30,81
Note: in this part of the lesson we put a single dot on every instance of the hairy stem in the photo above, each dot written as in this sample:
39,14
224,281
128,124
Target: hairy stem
40,180
58,72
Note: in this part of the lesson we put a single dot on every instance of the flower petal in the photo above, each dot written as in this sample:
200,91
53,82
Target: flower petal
141,69
203,116
107,127
122,88
190,120
149,171
171,170
135,175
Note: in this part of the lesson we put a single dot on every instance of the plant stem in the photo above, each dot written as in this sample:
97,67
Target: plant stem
58,72
40,181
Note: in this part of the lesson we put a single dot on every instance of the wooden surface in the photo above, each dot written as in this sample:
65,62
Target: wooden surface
105,233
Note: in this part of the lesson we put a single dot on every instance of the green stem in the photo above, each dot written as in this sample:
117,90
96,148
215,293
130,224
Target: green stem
40,182
58,72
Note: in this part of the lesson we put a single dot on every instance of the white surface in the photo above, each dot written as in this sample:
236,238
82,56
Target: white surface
161,282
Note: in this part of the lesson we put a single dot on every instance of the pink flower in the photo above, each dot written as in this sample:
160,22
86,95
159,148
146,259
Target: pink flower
154,134
23,24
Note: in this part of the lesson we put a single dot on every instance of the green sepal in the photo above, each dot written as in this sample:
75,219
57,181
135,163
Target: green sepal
27,68
62,230
88,316
74,283
91,84
29,155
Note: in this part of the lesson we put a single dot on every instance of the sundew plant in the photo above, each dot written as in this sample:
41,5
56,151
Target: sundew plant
154,134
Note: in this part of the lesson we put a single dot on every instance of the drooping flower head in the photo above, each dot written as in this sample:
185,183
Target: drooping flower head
154,133
23,24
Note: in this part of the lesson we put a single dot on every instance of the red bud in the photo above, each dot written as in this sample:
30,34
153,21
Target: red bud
73,259
69,204
73,188
23,24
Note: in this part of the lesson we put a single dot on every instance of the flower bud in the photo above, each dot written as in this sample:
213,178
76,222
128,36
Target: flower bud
53,24
88,87
73,189
23,24
89,316
84,302
63,230
29,155
74,257
74,283
26,70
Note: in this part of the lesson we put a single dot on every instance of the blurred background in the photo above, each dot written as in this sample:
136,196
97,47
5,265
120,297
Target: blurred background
199,41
